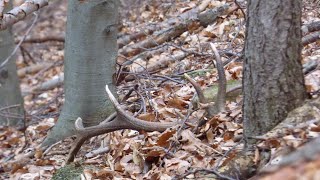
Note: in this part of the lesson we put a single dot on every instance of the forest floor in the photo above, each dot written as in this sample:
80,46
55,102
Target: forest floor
175,153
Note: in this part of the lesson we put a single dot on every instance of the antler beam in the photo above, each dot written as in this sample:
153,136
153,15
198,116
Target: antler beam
116,121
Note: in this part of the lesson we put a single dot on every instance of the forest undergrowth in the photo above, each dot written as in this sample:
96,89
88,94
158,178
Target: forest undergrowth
152,86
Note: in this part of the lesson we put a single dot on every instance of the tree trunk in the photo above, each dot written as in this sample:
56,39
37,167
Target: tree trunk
11,102
90,54
273,79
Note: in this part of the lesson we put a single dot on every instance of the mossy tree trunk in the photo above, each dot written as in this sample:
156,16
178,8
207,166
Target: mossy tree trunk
273,79
11,101
90,54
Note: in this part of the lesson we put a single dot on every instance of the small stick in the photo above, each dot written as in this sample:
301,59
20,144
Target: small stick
21,41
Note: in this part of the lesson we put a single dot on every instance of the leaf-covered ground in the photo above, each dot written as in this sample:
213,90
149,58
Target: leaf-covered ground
159,93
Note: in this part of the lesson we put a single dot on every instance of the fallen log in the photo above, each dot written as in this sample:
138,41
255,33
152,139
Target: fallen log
151,29
21,12
201,19
163,62
311,27
52,83
33,69
311,38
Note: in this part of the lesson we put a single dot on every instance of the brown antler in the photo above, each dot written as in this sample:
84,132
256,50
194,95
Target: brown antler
133,122
116,121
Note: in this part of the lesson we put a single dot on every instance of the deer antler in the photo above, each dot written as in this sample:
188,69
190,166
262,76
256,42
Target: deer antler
135,123
116,121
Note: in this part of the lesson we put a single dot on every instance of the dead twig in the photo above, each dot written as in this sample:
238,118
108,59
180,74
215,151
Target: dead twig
48,38
211,171
19,44
173,143
33,68
50,147
143,104
241,9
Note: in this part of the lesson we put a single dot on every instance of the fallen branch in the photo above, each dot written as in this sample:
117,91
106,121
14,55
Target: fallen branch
311,27
210,171
311,38
59,38
144,56
310,66
204,19
97,152
163,62
32,69
21,12
189,14
52,83
138,35
149,30
154,67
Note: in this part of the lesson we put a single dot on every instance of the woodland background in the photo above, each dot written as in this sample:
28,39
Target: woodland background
177,153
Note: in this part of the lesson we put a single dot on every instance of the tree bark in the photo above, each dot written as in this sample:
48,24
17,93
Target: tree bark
90,54
273,79
11,102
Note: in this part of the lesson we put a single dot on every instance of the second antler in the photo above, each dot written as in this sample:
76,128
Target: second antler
119,120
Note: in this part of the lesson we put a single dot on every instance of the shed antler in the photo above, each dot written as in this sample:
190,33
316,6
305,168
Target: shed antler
119,120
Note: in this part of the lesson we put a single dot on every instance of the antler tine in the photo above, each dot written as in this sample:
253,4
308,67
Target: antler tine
106,127
78,124
222,83
135,123
121,121
84,133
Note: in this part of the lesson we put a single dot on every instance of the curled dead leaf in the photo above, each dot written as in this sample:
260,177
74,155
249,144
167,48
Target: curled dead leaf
164,137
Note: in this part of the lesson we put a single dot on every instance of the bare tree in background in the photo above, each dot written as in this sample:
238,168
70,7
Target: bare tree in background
273,82
11,101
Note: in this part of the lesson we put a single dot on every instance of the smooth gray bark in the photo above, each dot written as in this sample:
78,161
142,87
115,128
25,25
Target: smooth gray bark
273,79
90,54
11,102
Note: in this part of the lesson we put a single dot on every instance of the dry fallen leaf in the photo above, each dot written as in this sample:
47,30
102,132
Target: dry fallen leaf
164,137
